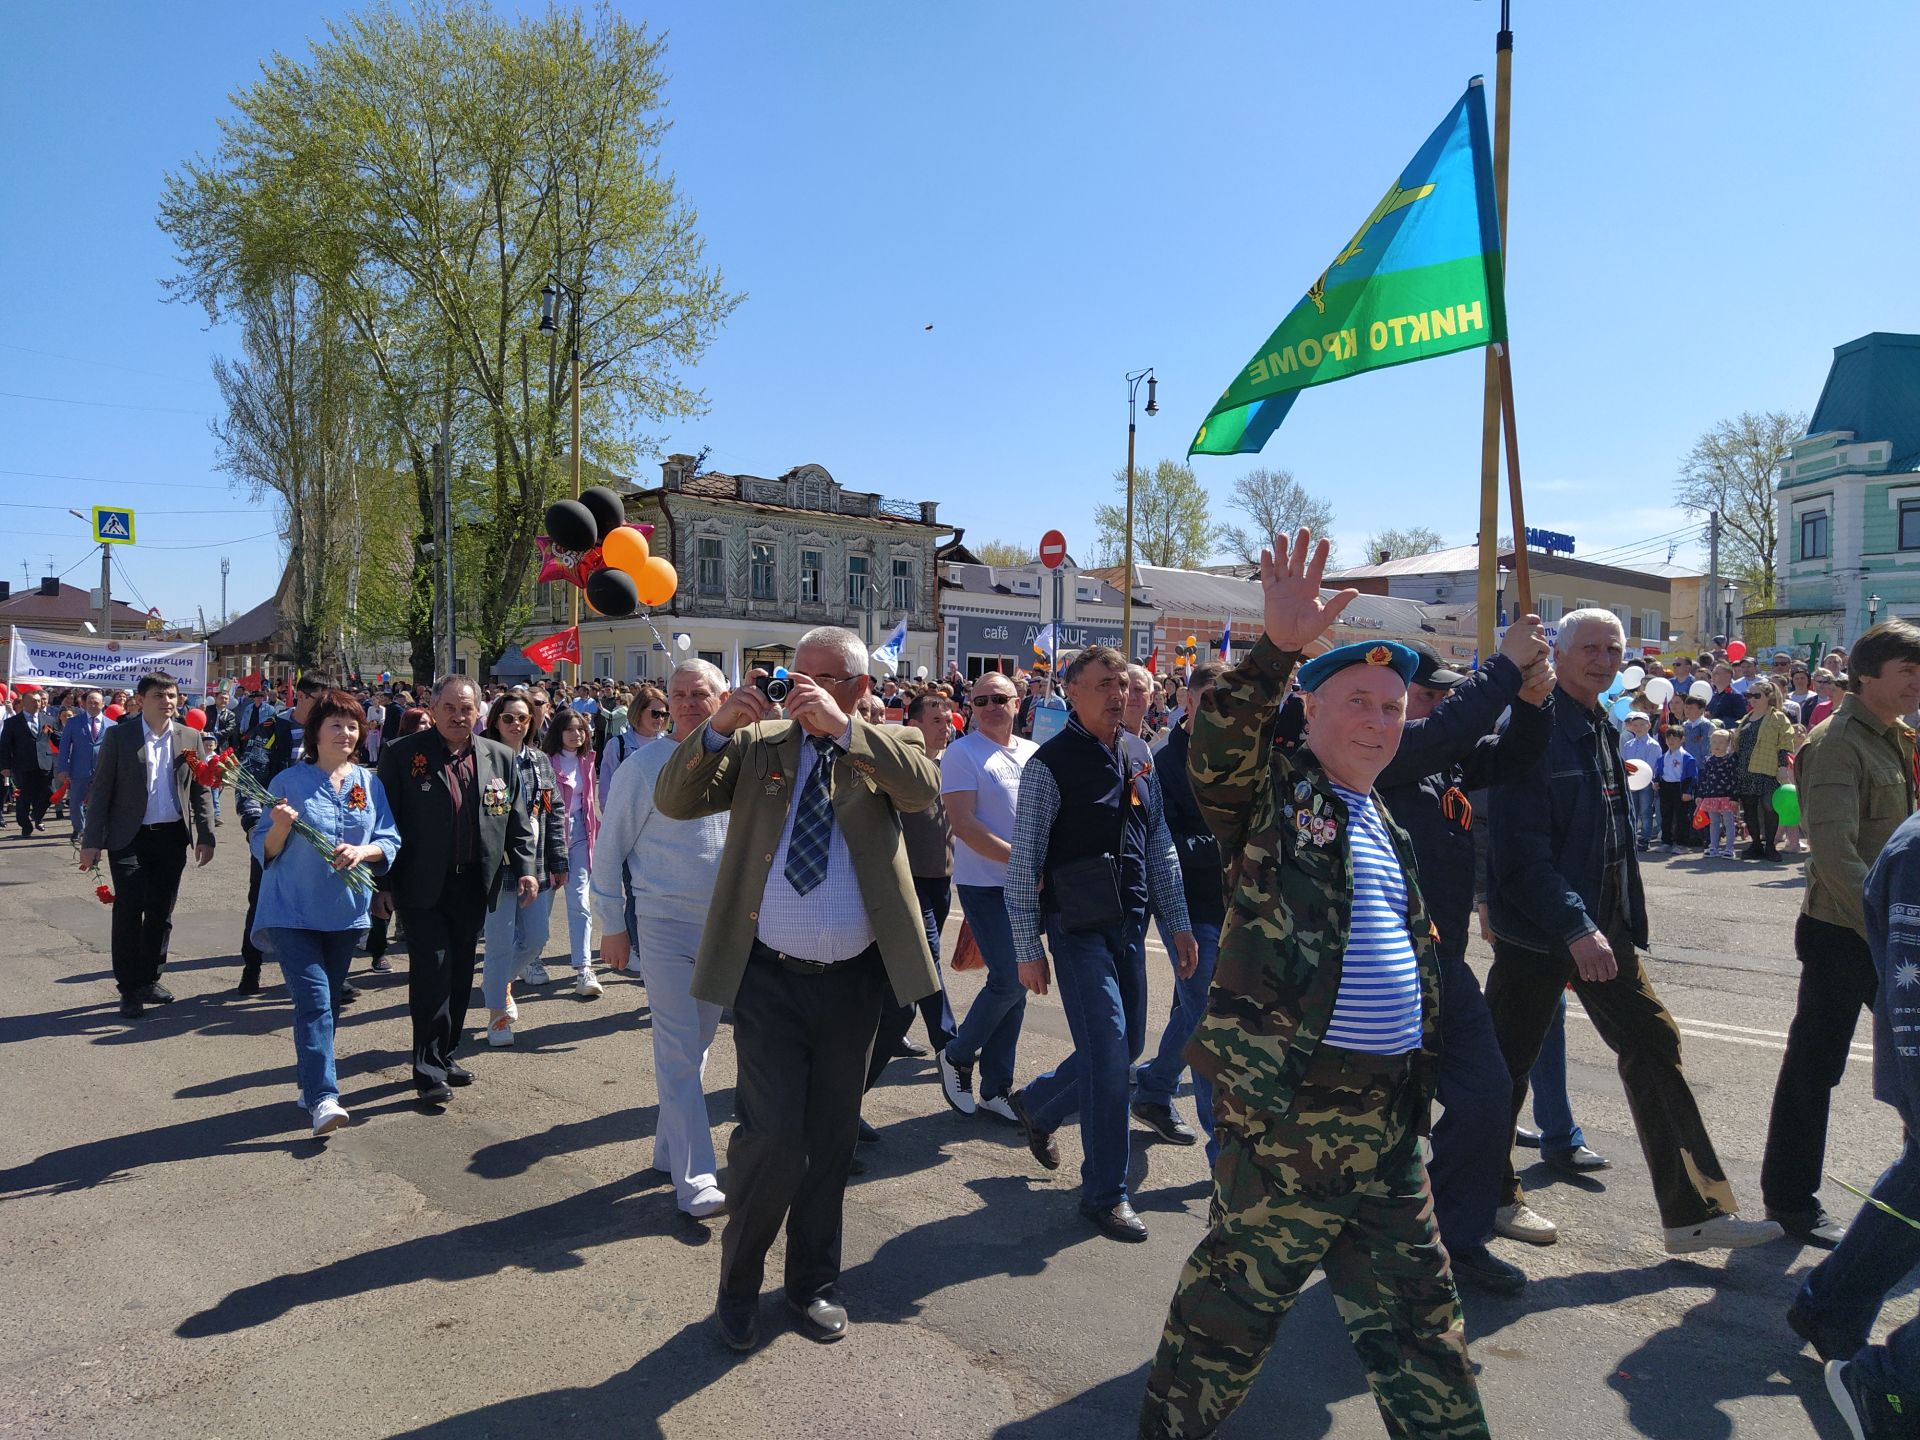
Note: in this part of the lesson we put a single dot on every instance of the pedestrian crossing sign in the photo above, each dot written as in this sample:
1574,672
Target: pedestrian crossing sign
112,527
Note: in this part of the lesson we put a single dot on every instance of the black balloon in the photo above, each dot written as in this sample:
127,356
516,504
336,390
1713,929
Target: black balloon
613,593
607,511
571,526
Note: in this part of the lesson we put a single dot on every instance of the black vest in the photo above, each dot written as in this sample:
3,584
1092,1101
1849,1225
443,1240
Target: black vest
1097,814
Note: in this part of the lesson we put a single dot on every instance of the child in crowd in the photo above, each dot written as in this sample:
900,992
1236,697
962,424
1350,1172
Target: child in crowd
1697,728
1675,772
1639,744
1715,791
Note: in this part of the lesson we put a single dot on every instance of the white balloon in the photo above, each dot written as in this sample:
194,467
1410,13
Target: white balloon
1700,690
921,673
1632,676
1639,774
684,641
1659,690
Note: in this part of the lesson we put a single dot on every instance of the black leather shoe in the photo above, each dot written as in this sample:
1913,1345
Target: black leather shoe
1525,1136
1040,1142
1484,1270
868,1135
820,1319
1119,1223
1163,1122
1813,1227
130,1007
738,1322
911,1050
157,994
249,982
458,1074
434,1092
1577,1161
349,994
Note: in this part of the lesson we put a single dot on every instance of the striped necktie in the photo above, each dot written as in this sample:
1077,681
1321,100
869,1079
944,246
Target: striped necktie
812,821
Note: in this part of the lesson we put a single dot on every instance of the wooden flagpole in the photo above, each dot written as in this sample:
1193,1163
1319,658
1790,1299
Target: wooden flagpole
1496,401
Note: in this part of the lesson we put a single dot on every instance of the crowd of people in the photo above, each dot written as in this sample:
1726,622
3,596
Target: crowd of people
1314,836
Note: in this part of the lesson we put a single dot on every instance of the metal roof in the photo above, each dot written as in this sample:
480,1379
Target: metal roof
1201,592
1873,389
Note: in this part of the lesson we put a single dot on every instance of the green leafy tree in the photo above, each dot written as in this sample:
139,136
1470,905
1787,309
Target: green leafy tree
1005,554
1276,504
1735,469
1171,524
429,172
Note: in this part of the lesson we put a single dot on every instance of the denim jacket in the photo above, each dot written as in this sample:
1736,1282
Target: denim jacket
1546,870
1893,934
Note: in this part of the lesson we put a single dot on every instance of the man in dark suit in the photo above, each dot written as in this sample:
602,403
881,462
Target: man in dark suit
79,749
284,743
814,927
464,827
26,749
138,807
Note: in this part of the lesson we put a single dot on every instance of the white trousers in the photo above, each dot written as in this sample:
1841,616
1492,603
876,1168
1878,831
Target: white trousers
683,1029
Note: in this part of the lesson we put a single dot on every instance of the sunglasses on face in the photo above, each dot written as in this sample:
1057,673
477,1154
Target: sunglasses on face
993,700
658,714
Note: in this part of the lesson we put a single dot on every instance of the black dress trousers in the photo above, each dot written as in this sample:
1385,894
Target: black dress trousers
146,882
441,941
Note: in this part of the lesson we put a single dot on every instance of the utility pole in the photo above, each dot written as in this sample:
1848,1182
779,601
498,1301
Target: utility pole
106,592
226,566
443,454
1712,595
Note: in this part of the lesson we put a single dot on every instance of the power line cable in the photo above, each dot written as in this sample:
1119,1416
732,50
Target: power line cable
102,480
21,505
106,404
83,360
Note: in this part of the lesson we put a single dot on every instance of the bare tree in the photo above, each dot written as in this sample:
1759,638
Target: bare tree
1277,504
1411,540
1734,468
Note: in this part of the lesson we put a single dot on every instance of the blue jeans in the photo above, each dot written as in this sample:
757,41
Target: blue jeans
1843,1295
1645,806
1552,1110
314,963
1102,977
514,937
991,1031
1156,1082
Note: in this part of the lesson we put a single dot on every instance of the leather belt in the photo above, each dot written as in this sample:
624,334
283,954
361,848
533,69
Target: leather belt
1331,1064
794,965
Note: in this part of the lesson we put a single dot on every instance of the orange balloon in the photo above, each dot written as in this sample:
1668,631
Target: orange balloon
656,580
625,549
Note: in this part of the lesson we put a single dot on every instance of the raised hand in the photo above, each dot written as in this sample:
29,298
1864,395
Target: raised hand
1295,615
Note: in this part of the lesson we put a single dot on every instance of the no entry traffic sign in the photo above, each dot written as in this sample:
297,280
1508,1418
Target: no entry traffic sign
1053,549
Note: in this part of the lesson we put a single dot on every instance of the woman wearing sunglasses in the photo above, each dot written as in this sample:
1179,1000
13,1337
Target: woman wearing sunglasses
515,934
576,801
647,722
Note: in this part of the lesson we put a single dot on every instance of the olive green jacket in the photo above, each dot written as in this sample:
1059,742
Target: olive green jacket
1855,780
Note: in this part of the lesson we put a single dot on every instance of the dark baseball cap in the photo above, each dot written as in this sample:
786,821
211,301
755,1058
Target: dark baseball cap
1432,671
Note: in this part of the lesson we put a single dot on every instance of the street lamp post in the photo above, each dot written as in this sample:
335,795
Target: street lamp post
1126,590
1873,611
1500,590
549,296
1726,600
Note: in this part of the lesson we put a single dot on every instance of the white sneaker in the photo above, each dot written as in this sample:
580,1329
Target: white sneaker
1722,1232
996,1105
587,985
328,1116
956,1083
536,974
499,1028
710,1201
1518,1222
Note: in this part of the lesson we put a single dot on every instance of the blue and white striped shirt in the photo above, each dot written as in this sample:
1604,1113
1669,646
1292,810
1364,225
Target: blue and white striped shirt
1377,1009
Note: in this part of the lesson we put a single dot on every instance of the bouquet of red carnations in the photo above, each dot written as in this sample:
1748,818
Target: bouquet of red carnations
225,768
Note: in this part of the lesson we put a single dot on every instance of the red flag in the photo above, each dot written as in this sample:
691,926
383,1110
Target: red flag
561,645
1153,661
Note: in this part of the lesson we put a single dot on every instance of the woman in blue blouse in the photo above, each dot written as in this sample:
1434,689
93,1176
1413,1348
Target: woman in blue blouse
309,918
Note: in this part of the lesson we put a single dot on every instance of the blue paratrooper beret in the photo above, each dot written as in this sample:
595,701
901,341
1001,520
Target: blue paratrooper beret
1389,653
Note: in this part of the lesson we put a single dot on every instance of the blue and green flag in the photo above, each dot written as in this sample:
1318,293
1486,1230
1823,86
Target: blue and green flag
1421,277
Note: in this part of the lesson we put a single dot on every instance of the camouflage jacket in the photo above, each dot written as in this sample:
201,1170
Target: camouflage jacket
1289,895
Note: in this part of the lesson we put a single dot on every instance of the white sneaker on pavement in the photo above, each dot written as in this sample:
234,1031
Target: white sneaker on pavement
710,1201
328,1116
499,1028
536,974
996,1105
956,1083
1722,1232
587,985
1518,1222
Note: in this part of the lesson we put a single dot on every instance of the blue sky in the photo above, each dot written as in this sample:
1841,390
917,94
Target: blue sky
1706,199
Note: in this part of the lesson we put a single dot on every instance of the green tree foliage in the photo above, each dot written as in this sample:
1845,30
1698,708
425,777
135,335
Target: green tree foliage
1005,554
429,171
1171,524
1735,468
1276,504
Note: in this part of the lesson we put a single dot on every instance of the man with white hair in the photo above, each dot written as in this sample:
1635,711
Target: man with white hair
813,923
1567,908
651,879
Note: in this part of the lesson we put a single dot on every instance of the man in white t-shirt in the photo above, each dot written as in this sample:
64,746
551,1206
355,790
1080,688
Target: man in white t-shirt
980,785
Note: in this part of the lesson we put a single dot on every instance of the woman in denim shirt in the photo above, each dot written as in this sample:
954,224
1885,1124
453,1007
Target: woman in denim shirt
516,934
309,918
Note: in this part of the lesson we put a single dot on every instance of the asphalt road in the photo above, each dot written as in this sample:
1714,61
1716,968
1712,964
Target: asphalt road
181,1260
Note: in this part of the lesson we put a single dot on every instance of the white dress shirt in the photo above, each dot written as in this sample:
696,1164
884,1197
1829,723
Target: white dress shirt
163,805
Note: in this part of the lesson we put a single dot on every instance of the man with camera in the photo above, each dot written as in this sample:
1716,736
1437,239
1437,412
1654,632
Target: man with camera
814,926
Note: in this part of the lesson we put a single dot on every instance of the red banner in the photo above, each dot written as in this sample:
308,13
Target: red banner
561,645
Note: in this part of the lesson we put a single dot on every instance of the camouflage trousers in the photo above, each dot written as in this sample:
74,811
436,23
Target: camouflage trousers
1336,1182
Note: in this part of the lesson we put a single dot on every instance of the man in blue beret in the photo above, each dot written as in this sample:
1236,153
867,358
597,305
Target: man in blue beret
1320,1038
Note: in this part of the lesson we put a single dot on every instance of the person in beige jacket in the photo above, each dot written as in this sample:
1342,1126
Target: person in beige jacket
813,922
